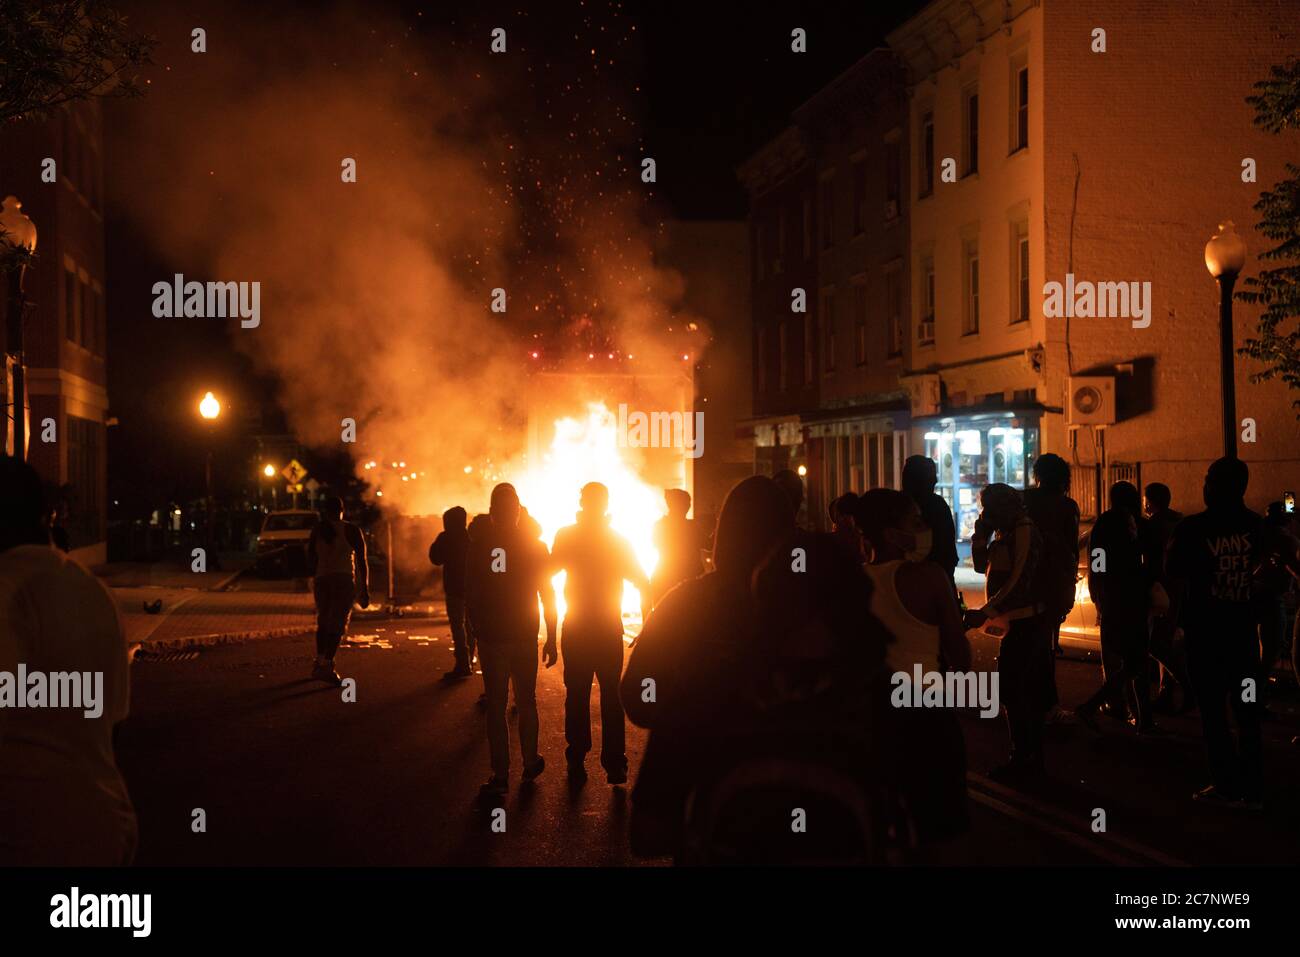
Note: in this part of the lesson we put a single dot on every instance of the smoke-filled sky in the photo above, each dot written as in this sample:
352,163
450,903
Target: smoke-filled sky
475,171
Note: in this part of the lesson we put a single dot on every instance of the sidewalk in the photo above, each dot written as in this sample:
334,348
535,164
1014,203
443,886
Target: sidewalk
191,617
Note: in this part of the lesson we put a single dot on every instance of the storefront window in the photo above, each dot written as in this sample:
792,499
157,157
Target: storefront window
973,452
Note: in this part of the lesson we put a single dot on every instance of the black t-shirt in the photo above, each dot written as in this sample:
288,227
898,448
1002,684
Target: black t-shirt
1215,554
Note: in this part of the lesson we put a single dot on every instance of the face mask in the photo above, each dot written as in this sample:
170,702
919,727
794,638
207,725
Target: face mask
922,541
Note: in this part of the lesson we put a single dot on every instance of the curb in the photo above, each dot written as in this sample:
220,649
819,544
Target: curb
186,642
222,638
228,580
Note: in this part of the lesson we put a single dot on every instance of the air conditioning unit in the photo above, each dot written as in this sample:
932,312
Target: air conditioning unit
1090,400
891,209
925,331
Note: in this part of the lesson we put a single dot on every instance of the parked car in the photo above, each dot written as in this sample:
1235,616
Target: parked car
282,542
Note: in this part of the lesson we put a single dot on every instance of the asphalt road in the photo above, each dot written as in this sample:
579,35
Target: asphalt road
286,772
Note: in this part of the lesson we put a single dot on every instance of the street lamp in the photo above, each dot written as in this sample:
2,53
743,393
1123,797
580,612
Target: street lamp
18,237
269,471
1225,254
209,409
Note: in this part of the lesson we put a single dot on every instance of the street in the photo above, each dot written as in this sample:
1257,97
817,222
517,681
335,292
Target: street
286,772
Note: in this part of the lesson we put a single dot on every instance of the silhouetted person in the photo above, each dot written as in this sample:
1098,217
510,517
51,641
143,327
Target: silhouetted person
681,678
811,706
336,563
913,599
1274,582
789,482
1056,515
62,799
506,573
529,524
1156,501
1211,560
1007,548
844,526
58,533
479,526
596,561
1165,648
450,550
1119,580
920,475
679,541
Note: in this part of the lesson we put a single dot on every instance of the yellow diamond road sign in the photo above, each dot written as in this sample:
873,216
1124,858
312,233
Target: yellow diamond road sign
294,473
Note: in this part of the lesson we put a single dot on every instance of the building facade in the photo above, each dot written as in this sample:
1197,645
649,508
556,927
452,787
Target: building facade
55,168
1072,144
831,278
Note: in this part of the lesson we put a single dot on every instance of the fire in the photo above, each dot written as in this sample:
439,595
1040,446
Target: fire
587,450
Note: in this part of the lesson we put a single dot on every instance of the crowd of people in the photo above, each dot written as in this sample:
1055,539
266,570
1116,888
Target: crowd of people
768,666
784,613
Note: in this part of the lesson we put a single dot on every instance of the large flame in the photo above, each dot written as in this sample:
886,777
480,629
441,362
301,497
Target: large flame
587,450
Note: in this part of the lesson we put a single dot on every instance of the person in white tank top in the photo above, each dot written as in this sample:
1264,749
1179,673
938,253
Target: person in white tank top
913,598
922,616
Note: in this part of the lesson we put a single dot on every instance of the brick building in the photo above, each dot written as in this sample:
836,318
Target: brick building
828,201
1112,167
65,329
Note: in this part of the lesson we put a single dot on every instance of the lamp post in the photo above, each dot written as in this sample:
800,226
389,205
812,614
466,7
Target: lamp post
270,471
209,409
1225,254
18,234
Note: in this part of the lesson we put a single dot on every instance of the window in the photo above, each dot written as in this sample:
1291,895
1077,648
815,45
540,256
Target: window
84,441
859,197
926,331
760,251
971,317
101,322
809,349
828,212
860,323
873,462
828,324
762,359
893,180
1021,100
807,228
71,304
887,459
88,174
783,358
846,472
1020,259
855,451
971,120
927,155
780,241
71,154
832,471
87,316
894,310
